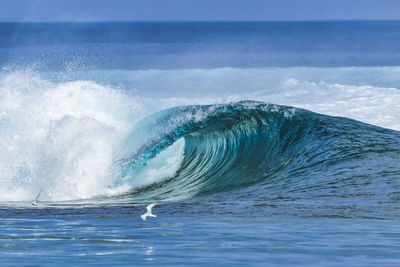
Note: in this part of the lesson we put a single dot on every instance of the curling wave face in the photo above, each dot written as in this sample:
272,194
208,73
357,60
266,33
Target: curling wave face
236,145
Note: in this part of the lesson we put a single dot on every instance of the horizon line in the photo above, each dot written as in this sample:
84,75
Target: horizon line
199,21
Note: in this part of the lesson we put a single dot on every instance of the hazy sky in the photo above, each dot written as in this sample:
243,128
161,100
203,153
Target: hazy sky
166,10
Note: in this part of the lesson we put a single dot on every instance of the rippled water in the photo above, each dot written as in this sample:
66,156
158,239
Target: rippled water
195,232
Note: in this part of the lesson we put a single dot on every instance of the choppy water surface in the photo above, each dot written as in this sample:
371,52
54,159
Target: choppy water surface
263,143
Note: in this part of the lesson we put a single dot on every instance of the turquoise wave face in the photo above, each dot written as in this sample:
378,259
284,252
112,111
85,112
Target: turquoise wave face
248,143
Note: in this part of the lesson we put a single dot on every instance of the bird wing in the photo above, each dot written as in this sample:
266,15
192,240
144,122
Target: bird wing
149,207
37,197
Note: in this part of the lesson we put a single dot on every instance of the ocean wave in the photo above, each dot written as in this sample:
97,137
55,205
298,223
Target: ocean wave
79,139
236,145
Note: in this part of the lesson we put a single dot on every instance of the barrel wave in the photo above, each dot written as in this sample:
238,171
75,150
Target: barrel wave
260,146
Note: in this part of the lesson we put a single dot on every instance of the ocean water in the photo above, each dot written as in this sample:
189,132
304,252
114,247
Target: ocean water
263,143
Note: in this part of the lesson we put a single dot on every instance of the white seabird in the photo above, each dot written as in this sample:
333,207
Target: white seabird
148,212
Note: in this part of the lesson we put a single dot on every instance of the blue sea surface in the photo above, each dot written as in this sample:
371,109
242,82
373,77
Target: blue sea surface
262,143
169,45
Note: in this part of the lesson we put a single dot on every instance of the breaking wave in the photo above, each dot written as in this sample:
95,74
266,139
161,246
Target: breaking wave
82,140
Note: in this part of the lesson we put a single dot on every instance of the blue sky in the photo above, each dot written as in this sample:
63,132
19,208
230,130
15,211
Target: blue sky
176,10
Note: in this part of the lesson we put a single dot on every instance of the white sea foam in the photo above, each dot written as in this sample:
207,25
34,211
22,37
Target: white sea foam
375,105
64,137
61,138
